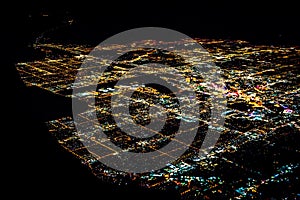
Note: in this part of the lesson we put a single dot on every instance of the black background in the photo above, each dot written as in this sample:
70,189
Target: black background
40,164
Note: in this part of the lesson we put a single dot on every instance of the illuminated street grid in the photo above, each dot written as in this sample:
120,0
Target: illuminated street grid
262,90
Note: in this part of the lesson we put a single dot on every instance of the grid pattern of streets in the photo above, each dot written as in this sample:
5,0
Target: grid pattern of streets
262,118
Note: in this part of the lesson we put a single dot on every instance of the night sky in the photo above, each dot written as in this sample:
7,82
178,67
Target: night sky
275,22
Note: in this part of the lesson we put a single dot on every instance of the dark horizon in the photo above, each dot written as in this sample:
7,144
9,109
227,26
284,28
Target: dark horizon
259,23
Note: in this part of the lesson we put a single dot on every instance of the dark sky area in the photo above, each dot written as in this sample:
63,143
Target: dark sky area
275,22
